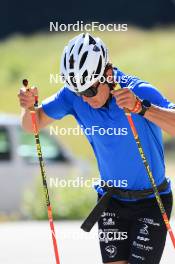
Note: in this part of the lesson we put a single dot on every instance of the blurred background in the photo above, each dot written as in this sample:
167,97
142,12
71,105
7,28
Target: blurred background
29,50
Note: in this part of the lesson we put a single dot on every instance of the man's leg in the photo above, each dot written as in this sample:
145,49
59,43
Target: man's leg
113,233
149,235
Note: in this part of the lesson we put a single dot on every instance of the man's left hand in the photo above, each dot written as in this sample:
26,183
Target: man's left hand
125,98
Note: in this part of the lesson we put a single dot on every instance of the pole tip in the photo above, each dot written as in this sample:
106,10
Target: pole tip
25,82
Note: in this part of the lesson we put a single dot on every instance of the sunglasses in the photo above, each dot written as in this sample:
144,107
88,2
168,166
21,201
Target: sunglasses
91,91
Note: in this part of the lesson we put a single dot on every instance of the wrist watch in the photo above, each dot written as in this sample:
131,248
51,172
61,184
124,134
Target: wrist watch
145,106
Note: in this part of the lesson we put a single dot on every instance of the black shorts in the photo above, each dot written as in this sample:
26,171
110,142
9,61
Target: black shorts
137,238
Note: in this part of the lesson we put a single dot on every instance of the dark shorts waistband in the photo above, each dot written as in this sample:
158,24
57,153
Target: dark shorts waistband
111,191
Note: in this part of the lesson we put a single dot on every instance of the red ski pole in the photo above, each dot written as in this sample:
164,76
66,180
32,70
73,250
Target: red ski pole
43,174
150,175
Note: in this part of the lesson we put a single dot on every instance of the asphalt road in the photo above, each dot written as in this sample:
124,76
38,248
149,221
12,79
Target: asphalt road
30,243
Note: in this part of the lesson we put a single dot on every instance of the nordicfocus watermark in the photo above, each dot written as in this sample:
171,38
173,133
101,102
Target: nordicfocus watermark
104,236
81,182
56,78
80,26
109,235
88,131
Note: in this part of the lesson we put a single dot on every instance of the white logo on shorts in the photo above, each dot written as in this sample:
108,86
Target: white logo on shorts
107,214
108,222
145,239
111,251
144,230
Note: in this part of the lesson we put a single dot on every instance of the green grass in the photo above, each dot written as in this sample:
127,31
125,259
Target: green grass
148,54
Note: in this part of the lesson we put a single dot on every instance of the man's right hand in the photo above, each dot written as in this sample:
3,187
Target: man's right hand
27,100
27,97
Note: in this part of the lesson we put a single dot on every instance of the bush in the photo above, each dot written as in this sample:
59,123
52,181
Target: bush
67,203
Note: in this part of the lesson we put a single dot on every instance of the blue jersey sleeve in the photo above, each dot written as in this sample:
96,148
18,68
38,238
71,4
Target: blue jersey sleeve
142,89
150,93
59,105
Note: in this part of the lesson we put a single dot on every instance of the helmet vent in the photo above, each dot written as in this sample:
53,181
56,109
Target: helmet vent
95,48
80,48
71,48
65,61
82,61
72,79
91,40
83,80
103,51
71,61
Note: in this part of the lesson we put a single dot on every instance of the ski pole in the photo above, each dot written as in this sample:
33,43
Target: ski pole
43,173
150,175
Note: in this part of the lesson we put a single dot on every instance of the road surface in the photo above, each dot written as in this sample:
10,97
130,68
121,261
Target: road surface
30,243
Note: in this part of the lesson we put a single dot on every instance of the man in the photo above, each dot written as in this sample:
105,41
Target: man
131,229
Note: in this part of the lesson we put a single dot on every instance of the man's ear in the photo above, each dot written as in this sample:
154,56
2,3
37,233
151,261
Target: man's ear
110,75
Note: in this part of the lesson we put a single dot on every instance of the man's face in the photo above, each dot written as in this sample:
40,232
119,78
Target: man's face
100,99
102,95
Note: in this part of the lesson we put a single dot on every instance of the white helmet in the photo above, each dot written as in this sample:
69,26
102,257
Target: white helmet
83,62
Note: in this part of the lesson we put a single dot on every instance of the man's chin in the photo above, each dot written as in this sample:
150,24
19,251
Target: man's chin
96,106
